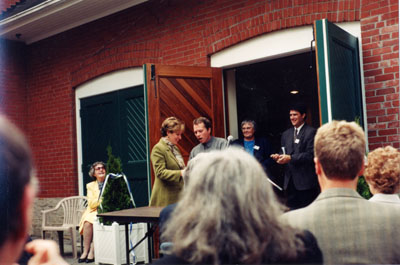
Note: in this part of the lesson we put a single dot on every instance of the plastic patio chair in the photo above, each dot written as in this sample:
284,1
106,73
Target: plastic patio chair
73,207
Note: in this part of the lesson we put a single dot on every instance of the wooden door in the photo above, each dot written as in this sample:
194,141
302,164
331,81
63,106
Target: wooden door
186,92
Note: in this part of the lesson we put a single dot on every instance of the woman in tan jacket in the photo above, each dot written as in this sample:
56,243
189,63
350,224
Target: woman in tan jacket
168,164
98,173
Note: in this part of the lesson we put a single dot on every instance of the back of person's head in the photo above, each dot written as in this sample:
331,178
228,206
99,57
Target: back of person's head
340,149
383,170
228,213
15,174
204,120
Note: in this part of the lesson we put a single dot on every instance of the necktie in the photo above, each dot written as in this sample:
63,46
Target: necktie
295,134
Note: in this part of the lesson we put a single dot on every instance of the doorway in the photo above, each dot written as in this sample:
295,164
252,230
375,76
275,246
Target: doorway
266,90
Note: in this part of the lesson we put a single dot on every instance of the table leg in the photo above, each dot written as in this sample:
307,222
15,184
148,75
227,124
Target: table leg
149,243
127,244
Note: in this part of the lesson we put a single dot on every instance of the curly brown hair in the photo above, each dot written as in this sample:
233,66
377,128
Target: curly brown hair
383,170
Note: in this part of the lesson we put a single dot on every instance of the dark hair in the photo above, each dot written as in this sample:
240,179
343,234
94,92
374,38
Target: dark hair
300,107
171,124
206,121
15,174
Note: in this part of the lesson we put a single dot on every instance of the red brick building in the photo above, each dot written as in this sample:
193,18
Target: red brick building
43,64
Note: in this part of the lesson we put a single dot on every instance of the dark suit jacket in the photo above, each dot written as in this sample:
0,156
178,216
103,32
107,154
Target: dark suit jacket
301,167
262,154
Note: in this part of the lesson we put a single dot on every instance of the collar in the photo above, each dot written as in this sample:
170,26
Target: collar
209,143
338,192
380,197
299,128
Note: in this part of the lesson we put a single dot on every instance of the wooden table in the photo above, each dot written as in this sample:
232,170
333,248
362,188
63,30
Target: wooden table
149,215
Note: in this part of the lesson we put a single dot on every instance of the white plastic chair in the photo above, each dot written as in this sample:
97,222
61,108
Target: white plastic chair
73,208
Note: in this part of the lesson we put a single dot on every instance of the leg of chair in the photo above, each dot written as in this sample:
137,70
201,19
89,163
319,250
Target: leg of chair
61,241
73,243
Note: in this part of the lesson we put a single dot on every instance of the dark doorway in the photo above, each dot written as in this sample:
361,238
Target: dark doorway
264,95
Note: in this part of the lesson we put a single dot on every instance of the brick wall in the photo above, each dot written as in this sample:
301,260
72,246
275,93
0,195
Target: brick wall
380,43
13,82
4,4
187,33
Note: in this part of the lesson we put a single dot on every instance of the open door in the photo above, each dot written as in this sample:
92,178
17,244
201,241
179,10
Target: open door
338,71
186,92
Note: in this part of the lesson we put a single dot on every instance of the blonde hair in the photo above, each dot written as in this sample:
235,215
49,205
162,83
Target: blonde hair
228,212
340,148
171,124
383,170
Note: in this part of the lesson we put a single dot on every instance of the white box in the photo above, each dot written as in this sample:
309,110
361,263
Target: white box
109,243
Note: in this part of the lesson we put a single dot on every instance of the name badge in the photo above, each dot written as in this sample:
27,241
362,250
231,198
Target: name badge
297,141
256,147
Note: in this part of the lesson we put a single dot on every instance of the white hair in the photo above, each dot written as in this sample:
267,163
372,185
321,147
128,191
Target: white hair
228,212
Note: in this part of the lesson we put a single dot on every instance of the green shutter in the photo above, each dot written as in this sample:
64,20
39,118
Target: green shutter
118,119
338,73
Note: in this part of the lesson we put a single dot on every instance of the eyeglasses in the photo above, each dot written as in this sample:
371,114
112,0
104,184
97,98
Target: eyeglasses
99,168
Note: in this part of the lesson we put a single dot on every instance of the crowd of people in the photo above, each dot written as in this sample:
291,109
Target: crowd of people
226,211
221,208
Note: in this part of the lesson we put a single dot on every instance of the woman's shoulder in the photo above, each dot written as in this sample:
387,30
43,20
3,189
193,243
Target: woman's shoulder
160,146
91,184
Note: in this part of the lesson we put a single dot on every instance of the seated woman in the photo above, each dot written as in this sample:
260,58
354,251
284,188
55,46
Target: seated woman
98,173
383,174
228,213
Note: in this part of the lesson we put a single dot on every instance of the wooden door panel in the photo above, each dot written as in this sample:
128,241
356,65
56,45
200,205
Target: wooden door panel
186,93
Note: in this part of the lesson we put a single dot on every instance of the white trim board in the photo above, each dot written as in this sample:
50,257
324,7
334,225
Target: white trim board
113,81
273,45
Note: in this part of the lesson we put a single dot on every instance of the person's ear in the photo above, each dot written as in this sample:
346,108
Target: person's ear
303,116
209,130
318,169
361,172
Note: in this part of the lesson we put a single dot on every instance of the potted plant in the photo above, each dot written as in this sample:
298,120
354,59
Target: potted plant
109,239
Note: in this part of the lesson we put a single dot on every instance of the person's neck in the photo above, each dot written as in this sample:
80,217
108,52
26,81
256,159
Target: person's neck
299,125
248,139
331,183
208,140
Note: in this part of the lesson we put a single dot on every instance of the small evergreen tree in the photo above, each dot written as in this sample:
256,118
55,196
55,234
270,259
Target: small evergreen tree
116,195
362,186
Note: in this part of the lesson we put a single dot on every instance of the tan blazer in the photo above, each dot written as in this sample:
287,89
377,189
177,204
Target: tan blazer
89,215
168,182
349,229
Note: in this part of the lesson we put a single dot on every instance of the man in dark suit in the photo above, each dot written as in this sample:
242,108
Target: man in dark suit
258,147
297,154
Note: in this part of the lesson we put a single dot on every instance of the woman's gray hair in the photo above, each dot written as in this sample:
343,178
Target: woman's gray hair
228,212
91,171
253,123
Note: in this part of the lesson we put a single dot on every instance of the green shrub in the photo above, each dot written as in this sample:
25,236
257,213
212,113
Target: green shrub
116,195
362,188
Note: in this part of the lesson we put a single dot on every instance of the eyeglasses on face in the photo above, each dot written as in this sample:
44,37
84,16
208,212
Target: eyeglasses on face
99,168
